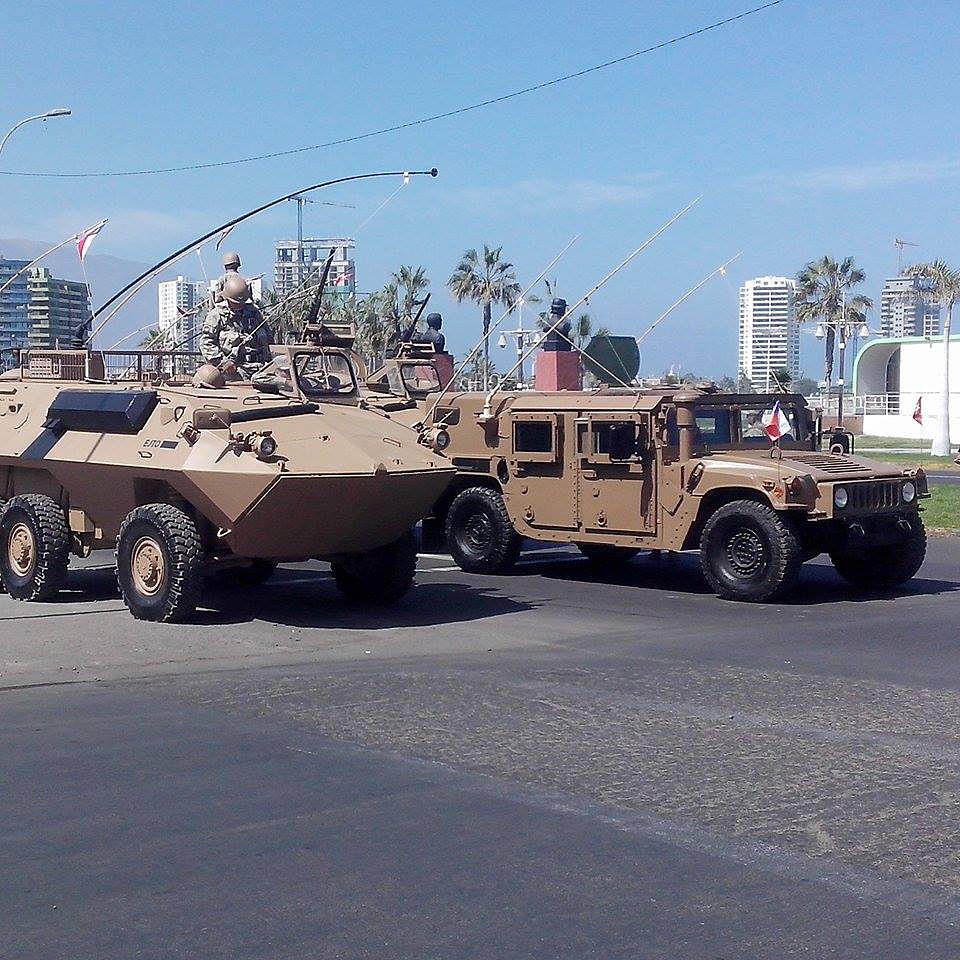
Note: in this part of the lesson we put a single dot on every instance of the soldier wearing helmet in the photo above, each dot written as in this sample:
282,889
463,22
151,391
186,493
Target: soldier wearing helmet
231,268
234,337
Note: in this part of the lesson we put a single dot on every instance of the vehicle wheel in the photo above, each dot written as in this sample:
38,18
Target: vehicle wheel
748,553
158,563
34,547
380,576
254,574
885,566
607,554
480,536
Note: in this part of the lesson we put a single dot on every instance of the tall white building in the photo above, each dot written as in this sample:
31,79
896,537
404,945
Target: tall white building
769,334
907,309
175,298
297,259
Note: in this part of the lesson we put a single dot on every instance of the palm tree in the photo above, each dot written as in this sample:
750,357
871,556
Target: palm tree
823,297
944,282
413,283
485,280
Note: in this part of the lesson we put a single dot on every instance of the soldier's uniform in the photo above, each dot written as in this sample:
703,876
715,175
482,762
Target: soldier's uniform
231,267
225,333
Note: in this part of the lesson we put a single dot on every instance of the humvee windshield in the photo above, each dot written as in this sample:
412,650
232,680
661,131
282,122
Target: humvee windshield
324,374
742,425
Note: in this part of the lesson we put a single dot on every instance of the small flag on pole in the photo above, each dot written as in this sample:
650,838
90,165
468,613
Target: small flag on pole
777,425
85,238
918,411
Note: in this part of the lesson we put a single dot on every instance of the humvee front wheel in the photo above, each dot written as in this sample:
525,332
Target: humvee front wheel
884,566
34,547
748,553
158,563
480,536
380,576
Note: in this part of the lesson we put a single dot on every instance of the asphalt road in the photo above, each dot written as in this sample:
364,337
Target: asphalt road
548,764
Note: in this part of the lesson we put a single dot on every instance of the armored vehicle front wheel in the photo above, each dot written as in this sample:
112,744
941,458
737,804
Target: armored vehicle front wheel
884,566
607,554
748,553
380,576
480,536
158,563
34,547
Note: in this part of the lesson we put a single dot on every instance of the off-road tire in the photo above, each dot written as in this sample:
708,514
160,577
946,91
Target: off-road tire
748,553
480,536
380,576
171,593
254,574
38,521
884,567
607,554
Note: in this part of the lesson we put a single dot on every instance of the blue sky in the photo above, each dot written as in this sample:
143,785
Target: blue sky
815,127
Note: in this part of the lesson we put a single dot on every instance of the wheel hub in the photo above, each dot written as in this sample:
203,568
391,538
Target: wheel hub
745,553
148,567
22,550
478,532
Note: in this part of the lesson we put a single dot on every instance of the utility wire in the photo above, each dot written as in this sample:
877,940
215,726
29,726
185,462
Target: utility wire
716,25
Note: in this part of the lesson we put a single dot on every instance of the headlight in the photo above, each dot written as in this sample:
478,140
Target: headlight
264,447
909,492
443,440
840,497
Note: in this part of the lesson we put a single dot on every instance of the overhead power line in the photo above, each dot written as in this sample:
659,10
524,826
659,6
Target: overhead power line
716,25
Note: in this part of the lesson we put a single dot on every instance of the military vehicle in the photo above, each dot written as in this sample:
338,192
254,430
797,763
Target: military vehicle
686,468
188,479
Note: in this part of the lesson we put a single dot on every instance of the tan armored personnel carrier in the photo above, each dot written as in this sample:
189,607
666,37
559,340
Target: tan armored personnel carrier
98,450
616,472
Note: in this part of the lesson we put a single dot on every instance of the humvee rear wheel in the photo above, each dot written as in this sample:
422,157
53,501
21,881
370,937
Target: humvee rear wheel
480,536
158,563
380,576
607,554
34,547
884,566
748,553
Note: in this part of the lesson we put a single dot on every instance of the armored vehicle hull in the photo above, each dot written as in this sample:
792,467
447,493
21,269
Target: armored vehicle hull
239,478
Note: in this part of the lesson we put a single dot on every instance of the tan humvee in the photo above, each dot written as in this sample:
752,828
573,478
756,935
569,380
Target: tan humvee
100,449
687,468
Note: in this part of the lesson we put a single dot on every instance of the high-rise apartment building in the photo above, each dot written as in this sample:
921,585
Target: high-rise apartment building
57,312
296,260
14,326
769,335
178,318
907,309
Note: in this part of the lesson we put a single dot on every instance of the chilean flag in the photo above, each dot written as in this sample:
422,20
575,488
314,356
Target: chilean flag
85,238
777,425
918,411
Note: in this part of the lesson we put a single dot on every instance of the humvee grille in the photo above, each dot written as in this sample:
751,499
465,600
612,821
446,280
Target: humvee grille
875,495
828,463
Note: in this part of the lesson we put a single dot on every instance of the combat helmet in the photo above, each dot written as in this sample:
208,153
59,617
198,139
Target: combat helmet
231,260
236,291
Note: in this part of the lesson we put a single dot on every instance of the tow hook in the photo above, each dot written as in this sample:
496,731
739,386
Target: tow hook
904,524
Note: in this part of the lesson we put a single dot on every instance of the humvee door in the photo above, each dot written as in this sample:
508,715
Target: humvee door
615,474
544,493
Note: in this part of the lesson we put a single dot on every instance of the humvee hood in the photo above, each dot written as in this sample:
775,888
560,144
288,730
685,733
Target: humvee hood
823,467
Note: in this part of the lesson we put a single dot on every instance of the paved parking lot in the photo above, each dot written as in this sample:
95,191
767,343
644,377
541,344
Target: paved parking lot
546,764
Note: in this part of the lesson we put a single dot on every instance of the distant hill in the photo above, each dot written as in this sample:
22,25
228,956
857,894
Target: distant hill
106,274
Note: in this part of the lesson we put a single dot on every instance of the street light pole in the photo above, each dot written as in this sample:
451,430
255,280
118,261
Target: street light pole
56,112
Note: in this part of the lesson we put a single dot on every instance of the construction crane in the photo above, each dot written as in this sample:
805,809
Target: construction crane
899,243
300,201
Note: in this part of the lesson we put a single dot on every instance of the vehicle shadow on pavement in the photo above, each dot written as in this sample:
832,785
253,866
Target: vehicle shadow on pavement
308,598
680,573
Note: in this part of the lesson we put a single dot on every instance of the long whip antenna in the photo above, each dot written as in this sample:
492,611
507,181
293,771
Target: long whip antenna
486,414
194,244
